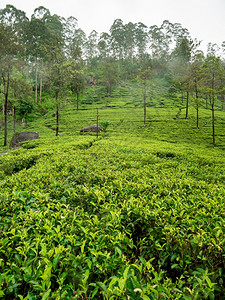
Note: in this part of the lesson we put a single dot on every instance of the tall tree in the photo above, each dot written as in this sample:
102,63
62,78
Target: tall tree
104,46
12,22
129,41
37,36
58,79
92,45
75,75
77,82
9,51
213,72
54,52
21,94
156,38
182,56
75,45
196,81
14,18
110,75
75,41
144,75
117,40
141,38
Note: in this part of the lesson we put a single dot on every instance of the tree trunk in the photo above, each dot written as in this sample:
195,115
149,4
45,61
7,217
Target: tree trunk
5,119
144,103
187,104
197,121
40,89
110,89
77,101
213,123
131,56
97,124
14,119
57,114
36,85
6,93
213,113
57,121
197,105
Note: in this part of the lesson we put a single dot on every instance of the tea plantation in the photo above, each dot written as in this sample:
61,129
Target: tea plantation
137,213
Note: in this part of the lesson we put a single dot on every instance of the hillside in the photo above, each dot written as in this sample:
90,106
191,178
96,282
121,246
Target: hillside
136,213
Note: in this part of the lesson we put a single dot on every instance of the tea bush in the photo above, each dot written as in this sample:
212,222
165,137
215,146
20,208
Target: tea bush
132,214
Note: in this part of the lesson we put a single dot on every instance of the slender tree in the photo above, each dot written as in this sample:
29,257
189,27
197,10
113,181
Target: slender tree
196,81
181,56
117,40
213,71
110,75
58,79
104,46
37,37
91,45
145,73
76,79
21,93
57,66
141,38
14,18
8,60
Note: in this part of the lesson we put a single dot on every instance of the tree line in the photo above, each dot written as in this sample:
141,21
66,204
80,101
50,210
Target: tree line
50,53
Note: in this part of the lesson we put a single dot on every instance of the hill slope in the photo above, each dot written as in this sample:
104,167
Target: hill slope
138,212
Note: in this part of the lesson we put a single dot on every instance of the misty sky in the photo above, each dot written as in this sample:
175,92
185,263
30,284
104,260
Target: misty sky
205,19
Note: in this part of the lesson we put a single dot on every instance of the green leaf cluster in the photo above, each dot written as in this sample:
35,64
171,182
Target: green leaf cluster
107,220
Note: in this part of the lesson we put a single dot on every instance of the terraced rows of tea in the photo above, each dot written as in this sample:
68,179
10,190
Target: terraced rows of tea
137,213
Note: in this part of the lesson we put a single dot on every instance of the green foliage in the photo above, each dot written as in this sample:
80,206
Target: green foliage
104,125
112,218
25,107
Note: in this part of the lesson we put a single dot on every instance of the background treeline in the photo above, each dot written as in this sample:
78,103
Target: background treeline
48,59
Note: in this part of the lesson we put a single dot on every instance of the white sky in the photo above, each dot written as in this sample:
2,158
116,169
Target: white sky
205,19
